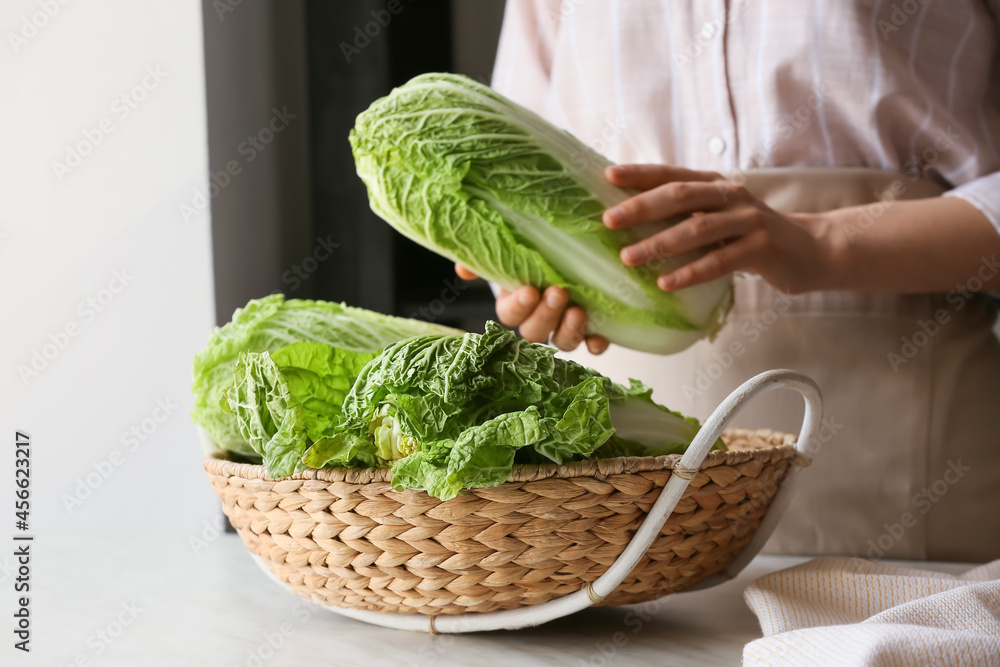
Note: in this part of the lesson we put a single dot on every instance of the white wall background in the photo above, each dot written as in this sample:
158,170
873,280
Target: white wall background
63,237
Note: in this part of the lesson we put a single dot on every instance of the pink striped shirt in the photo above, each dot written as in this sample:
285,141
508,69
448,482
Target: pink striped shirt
724,85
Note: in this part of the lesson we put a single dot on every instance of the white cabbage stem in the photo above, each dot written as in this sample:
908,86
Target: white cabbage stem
391,444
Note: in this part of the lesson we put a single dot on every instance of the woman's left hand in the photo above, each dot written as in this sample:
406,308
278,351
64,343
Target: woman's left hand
792,252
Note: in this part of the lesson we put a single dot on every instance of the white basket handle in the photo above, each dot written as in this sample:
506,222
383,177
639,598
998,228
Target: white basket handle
683,472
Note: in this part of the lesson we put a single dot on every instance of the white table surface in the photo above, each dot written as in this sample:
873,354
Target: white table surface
215,607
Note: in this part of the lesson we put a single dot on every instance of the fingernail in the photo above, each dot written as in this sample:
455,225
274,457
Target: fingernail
555,298
612,215
634,254
668,282
526,298
615,170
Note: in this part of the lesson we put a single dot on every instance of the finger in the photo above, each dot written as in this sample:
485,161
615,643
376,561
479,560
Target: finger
464,273
513,308
545,318
675,198
597,344
645,176
697,231
572,329
725,260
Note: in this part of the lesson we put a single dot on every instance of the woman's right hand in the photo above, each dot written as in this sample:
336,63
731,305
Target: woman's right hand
544,317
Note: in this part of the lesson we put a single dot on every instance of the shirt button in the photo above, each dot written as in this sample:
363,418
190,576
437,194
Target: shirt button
716,145
707,31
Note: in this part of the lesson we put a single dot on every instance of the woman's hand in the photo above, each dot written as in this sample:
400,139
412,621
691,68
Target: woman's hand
738,231
539,316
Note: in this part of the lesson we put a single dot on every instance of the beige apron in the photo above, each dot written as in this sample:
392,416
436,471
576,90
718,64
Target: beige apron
910,461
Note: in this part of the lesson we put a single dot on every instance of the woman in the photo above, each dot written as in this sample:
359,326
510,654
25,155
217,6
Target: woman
836,125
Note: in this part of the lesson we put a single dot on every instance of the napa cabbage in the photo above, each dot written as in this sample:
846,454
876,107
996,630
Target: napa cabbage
271,323
454,412
475,177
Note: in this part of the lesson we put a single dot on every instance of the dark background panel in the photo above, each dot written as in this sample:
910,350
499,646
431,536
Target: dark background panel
329,61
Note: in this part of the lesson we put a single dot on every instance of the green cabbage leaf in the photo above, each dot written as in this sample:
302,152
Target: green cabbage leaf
269,324
453,412
475,177
285,400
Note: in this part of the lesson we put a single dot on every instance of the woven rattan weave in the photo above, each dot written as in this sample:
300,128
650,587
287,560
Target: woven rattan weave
343,537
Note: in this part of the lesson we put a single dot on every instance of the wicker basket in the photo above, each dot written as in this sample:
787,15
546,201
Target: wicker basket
344,538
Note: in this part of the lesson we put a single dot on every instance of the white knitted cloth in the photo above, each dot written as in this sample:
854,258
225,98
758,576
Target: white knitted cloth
849,611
